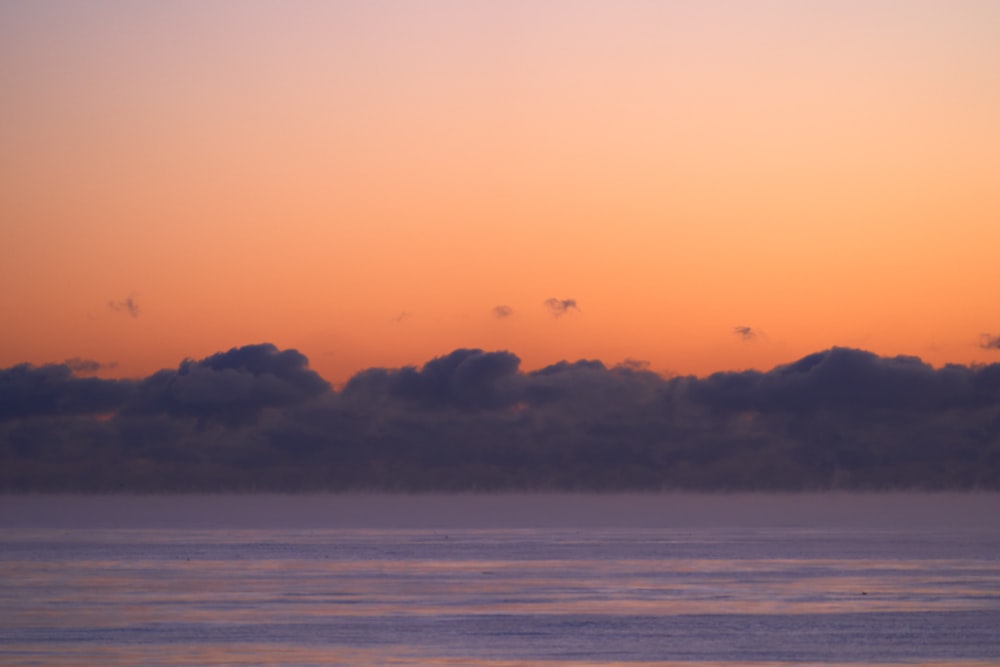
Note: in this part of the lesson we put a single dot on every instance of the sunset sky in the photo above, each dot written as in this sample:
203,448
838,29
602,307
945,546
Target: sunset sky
700,185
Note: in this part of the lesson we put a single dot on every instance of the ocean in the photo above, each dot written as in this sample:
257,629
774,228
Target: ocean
501,580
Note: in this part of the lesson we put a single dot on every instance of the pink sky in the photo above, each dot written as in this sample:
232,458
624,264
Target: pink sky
367,182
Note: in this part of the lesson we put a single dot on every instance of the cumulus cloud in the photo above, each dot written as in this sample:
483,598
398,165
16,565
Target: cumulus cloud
845,379
127,305
257,417
746,334
559,307
989,342
464,379
232,387
501,312
53,390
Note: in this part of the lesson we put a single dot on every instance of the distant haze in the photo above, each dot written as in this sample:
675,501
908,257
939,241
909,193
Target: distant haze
826,511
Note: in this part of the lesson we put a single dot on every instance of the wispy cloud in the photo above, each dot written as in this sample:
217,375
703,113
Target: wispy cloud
635,365
989,342
398,319
746,334
127,305
87,366
501,312
559,307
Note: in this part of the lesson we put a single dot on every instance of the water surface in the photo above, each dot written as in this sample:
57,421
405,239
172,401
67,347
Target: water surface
500,580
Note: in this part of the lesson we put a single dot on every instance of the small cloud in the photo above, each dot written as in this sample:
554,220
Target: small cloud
746,334
989,342
559,307
399,318
127,305
635,365
501,312
86,366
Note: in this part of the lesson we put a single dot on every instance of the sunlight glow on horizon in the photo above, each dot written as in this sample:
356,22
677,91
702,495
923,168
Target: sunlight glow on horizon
825,174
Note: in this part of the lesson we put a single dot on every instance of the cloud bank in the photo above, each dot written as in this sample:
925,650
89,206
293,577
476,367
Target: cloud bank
258,418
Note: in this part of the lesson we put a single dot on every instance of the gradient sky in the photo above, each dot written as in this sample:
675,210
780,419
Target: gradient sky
367,181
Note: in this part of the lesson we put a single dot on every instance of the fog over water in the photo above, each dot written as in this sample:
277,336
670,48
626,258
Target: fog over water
539,510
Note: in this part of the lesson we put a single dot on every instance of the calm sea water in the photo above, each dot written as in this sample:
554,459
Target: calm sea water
497,581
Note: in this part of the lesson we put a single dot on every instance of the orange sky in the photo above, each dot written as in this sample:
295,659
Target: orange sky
366,181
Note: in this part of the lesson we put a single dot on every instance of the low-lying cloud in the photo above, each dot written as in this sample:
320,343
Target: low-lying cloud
231,387
258,418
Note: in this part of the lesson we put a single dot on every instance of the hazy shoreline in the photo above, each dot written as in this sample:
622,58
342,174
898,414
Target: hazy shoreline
884,511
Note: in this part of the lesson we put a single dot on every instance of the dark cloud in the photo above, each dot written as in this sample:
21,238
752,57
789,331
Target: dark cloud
746,334
567,366
843,379
127,305
230,387
256,418
501,312
53,390
559,307
465,379
989,342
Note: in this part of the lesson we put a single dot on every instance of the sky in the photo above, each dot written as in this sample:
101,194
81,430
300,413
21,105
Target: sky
700,186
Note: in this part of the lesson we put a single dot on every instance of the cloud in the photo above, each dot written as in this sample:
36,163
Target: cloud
463,379
559,307
127,305
845,379
989,342
746,334
53,390
635,364
257,418
501,312
231,387
398,319
87,366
